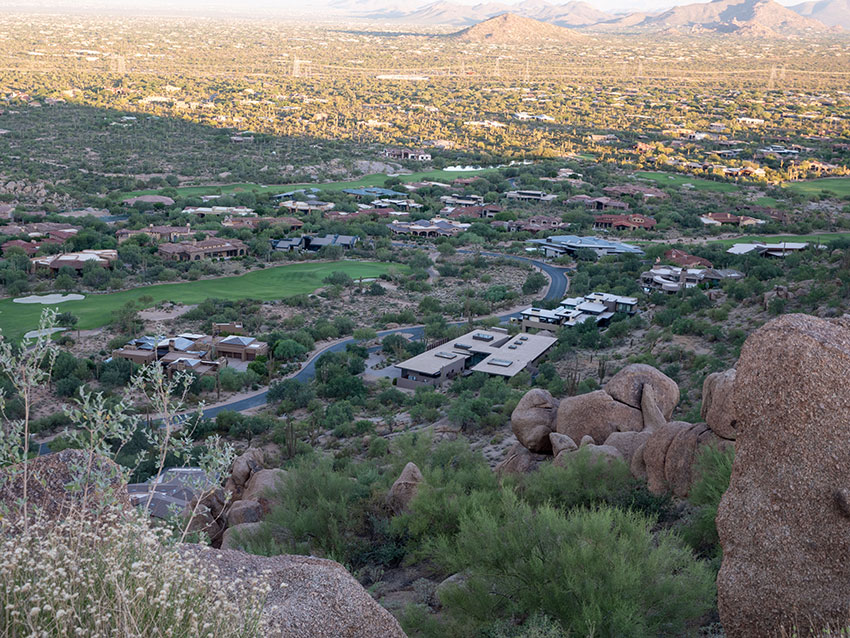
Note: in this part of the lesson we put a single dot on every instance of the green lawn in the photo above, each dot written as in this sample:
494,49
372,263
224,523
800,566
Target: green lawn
369,180
776,239
680,180
266,285
770,202
836,185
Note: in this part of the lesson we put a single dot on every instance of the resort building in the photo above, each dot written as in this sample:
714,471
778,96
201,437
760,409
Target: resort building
491,351
780,249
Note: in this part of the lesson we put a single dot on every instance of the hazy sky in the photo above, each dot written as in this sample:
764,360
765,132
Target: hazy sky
288,7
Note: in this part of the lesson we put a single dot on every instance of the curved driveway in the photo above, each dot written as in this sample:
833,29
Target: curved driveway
558,286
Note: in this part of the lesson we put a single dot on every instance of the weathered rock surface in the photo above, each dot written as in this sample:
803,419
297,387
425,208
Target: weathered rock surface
680,458
627,387
597,453
533,419
653,417
655,454
404,488
234,535
627,443
244,511
309,598
520,460
785,538
596,414
248,463
561,443
717,408
48,481
262,485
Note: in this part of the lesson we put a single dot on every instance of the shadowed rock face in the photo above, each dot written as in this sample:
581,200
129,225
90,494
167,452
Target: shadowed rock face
785,536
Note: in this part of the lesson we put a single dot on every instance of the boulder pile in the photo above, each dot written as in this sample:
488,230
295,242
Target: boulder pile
243,501
628,420
784,522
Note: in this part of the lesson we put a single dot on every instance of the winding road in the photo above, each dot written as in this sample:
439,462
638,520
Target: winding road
558,286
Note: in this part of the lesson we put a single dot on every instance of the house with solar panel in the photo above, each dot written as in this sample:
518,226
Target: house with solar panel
492,351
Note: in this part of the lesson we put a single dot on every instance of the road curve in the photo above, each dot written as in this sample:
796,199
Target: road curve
558,286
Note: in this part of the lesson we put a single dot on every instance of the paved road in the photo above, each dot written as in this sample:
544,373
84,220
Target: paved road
557,291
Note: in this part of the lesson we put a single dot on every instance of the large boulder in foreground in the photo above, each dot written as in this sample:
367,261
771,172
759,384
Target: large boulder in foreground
627,387
404,488
61,483
783,523
533,419
717,409
309,597
596,414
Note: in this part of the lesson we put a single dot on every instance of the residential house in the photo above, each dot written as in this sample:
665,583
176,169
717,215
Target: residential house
598,203
372,192
253,222
633,221
207,249
160,233
530,196
492,351
235,346
407,154
672,279
781,249
218,211
599,307
560,245
76,261
717,219
436,227
313,243
149,199
684,260
476,212
452,201
306,207
647,192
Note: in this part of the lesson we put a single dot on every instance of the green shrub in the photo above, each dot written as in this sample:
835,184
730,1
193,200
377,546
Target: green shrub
586,482
600,572
713,469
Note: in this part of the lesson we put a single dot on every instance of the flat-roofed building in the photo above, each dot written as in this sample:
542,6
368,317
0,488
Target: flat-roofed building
599,307
559,245
530,196
473,351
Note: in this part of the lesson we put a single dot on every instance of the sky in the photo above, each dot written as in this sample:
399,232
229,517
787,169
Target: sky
287,7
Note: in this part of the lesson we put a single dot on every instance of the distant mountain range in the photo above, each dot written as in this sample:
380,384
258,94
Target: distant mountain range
765,18
571,14
834,13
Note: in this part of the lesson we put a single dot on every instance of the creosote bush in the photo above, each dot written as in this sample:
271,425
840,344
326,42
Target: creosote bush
113,576
598,572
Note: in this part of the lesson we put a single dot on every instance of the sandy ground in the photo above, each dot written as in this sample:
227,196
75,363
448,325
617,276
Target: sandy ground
162,315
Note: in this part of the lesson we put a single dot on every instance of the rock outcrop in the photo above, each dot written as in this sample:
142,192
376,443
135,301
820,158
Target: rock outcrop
404,488
520,460
96,481
783,522
596,414
717,409
261,486
533,419
309,597
628,420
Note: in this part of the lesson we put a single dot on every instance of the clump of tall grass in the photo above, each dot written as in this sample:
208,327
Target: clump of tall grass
114,576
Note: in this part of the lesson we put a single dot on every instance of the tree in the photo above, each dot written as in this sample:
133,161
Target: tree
67,320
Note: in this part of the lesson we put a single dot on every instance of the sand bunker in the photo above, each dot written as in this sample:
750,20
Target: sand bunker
34,334
48,299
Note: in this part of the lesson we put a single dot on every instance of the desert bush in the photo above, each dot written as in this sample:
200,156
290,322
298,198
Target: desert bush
600,572
115,576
